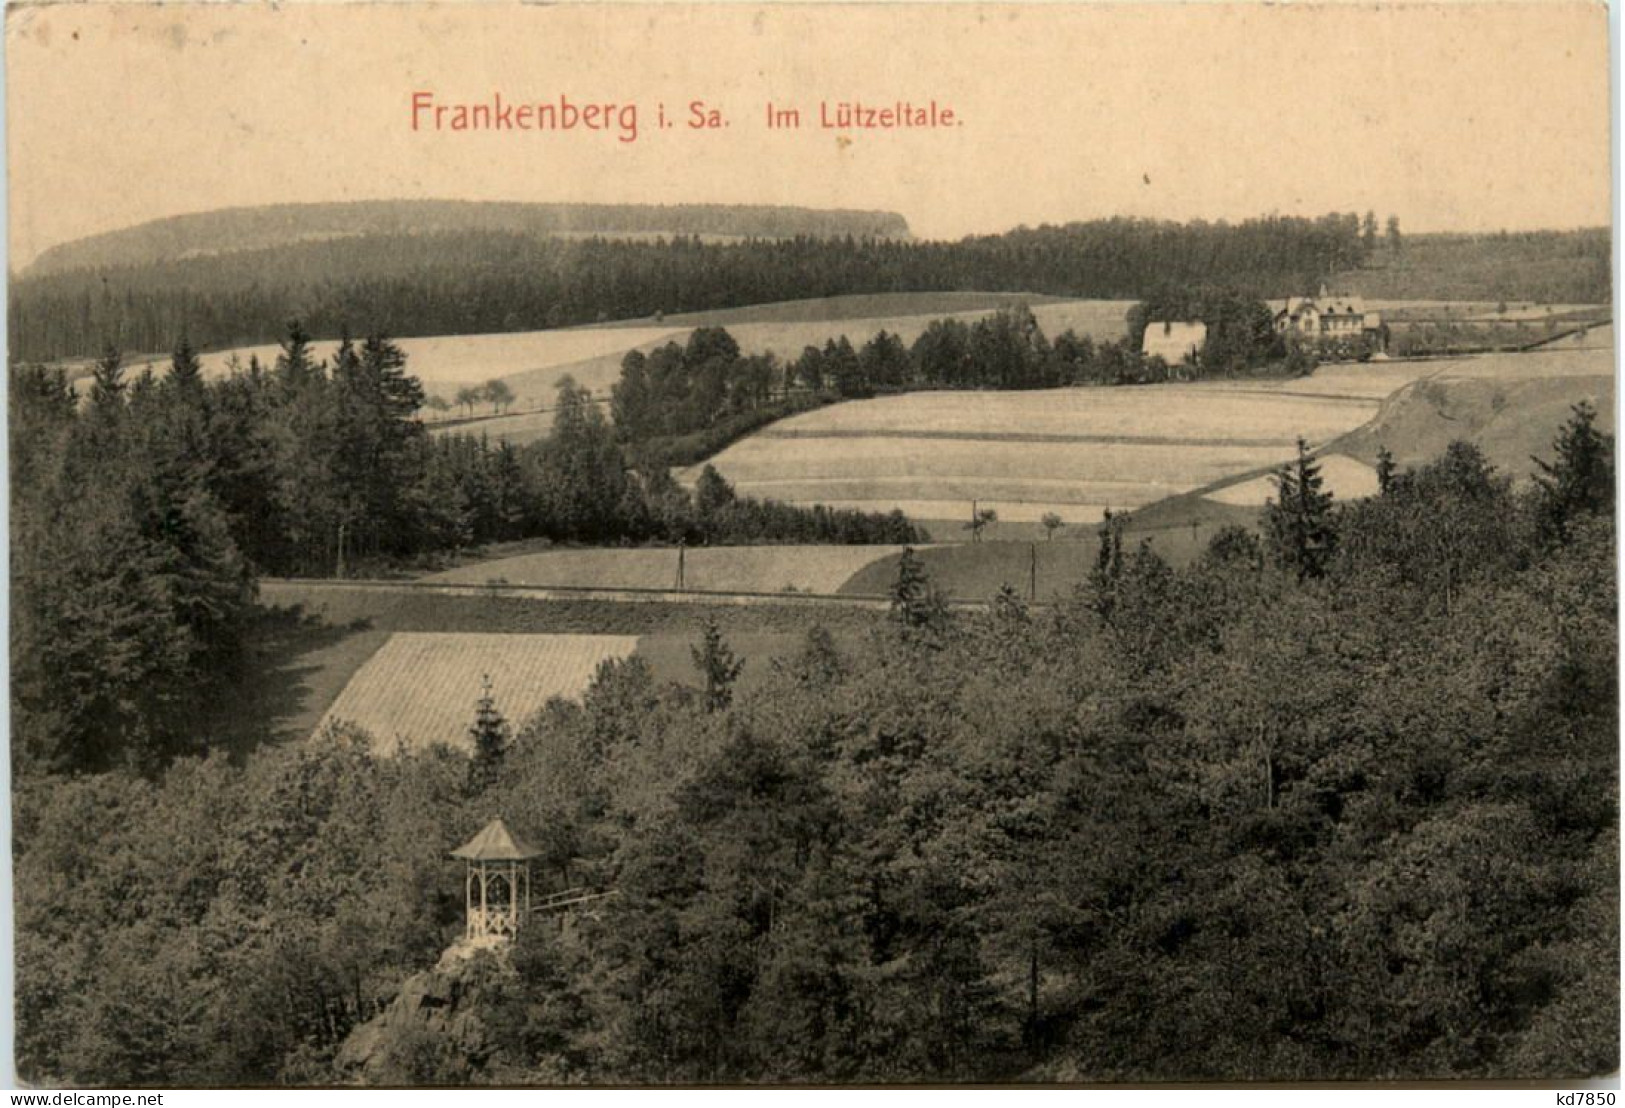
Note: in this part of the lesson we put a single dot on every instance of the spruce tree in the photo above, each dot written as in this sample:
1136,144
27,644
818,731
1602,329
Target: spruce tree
1581,480
915,602
1299,521
491,735
107,379
1385,471
185,368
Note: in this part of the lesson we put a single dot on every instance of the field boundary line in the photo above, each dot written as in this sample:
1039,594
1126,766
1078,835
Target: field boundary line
618,594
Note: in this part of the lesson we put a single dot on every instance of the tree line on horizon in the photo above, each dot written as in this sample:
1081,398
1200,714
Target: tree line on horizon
440,283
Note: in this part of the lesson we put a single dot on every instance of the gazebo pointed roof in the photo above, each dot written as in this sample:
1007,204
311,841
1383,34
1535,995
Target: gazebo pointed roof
495,843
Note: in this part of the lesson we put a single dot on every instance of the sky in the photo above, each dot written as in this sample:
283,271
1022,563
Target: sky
1462,116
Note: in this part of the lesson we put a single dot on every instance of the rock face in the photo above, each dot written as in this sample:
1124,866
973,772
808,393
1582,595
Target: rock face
435,1016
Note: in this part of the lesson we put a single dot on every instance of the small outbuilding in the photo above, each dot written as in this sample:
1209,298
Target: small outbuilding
1174,340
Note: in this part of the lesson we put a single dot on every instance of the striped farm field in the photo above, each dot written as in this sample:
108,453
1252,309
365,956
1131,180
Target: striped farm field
421,688
1073,452
767,569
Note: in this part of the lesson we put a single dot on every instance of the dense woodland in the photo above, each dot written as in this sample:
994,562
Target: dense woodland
1339,800
141,517
476,281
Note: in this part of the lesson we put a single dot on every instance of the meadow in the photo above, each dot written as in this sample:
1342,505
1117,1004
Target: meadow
407,662
762,569
445,363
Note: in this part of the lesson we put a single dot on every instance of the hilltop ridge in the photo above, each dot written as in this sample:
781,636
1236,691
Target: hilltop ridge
235,230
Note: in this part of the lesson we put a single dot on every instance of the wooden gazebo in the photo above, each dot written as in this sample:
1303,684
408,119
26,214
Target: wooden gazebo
498,882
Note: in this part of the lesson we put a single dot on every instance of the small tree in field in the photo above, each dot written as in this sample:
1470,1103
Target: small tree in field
499,395
467,397
718,665
979,521
491,735
1052,523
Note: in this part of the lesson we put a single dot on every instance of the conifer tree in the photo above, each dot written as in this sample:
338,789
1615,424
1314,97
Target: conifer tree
491,735
1299,520
1385,471
1581,480
1108,562
107,379
718,665
915,602
185,368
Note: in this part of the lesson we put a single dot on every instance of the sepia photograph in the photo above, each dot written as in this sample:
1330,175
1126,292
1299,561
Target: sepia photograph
668,545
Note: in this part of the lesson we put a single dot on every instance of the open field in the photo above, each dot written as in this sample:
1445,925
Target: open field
343,627
445,363
515,428
1590,338
421,688
670,660
1074,452
766,569
975,571
856,306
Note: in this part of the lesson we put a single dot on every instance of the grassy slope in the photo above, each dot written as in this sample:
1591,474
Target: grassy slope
1508,420
1178,528
295,669
805,568
670,659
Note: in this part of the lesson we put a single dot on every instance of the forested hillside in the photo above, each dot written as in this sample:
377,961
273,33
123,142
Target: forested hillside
230,230
476,281
1338,802
1542,267
140,518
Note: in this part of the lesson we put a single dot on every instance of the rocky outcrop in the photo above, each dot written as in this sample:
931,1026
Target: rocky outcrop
435,1016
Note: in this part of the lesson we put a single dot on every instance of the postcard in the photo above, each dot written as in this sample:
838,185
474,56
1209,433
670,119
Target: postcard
811,545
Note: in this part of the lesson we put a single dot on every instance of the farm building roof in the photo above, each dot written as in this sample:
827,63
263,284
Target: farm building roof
495,843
